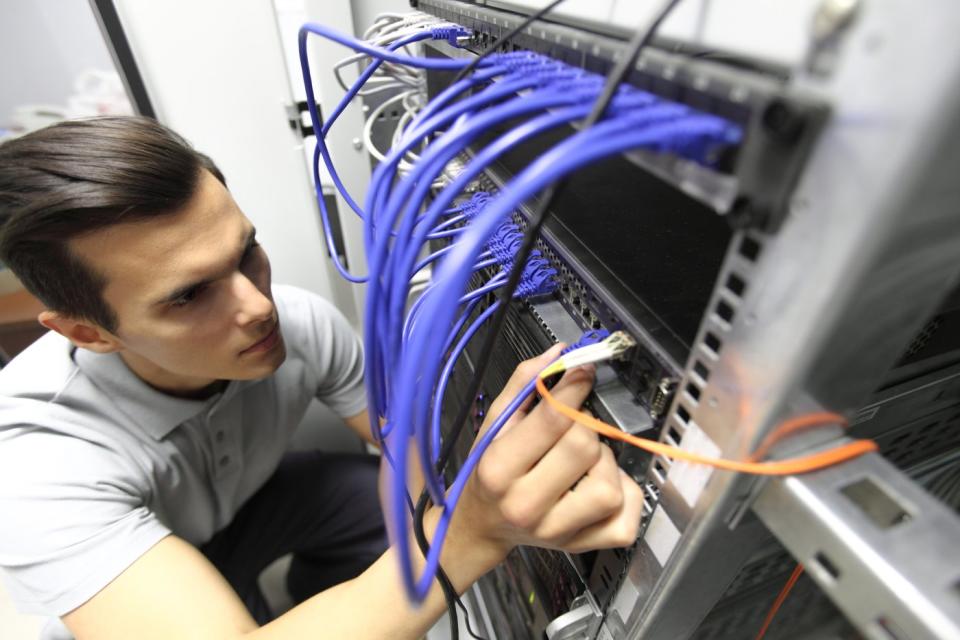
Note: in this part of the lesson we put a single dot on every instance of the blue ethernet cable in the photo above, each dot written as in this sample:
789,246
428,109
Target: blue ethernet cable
619,126
492,284
375,385
536,286
448,371
446,150
321,151
374,320
449,145
673,107
690,136
473,458
394,156
415,307
519,134
431,117
387,169
426,34
372,298
359,46
499,146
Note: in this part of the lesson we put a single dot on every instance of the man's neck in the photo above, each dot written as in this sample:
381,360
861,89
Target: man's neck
169,383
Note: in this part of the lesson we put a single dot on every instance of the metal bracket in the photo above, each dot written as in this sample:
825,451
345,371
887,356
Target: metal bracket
295,117
576,623
869,536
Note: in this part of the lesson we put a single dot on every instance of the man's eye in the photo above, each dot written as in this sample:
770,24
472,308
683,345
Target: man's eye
187,297
251,250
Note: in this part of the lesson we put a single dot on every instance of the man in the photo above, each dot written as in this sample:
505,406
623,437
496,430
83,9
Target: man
143,480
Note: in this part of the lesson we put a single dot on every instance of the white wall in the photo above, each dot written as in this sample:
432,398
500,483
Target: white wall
364,11
215,72
774,31
43,47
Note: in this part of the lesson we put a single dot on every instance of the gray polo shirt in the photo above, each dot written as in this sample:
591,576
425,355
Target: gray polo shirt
96,467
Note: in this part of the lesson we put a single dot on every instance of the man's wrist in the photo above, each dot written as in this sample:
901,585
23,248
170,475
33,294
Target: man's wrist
468,552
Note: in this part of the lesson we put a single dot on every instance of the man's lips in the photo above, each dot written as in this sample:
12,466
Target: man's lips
266,343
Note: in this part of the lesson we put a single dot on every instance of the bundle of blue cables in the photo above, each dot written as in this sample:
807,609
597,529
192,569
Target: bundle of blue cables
411,354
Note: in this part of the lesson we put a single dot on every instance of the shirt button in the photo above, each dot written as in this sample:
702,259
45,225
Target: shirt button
220,436
224,461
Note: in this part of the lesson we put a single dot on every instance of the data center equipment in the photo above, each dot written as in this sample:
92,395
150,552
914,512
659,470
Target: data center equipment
801,261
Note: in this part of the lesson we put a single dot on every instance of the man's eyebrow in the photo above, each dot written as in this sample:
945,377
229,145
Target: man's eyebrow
179,292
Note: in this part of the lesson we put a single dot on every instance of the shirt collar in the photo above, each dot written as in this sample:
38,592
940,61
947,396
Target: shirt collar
155,412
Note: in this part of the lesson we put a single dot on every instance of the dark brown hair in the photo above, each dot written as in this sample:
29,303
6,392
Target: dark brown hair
79,176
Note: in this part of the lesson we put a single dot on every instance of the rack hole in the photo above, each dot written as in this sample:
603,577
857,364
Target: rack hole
827,565
674,435
749,248
701,370
725,311
876,503
694,392
682,414
713,343
659,468
736,285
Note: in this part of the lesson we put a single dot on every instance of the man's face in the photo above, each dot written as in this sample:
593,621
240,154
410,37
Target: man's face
191,291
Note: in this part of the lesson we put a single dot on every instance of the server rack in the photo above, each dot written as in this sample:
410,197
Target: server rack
831,290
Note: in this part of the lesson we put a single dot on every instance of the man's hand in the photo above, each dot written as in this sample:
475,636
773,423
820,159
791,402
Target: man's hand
545,481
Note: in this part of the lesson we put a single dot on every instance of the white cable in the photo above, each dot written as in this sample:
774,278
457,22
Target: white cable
368,126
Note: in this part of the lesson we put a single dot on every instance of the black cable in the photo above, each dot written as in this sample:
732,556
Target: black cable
616,76
448,591
510,35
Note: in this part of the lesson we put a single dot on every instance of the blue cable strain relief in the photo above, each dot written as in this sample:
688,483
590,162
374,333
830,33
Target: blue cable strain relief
479,201
699,138
538,279
543,284
589,337
450,34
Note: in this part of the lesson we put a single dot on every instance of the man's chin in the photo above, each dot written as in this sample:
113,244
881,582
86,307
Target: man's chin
268,366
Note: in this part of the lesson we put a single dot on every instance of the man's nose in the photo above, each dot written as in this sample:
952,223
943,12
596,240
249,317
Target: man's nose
254,306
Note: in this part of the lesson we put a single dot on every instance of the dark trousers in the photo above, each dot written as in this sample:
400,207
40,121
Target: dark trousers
322,508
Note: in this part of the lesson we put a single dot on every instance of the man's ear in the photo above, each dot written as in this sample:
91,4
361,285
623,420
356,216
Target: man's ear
82,333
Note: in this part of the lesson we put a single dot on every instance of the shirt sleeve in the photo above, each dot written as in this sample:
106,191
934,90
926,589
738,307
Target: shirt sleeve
72,519
334,350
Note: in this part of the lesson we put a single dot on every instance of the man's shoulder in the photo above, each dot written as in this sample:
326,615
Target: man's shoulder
307,318
49,413
40,371
289,297
45,392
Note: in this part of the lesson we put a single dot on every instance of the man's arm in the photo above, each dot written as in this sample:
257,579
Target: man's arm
360,424
521,493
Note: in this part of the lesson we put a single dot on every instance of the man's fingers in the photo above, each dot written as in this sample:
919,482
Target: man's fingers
574,455
524,373
531,438
618,530
595,498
